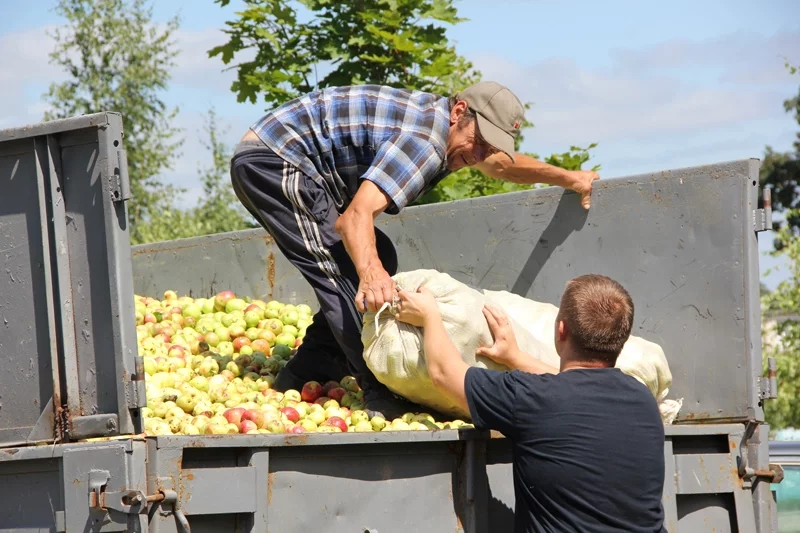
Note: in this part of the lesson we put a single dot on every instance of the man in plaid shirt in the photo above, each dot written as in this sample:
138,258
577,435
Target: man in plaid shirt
316,171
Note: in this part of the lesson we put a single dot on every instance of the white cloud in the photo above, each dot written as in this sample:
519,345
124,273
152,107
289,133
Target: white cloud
25,73
655,94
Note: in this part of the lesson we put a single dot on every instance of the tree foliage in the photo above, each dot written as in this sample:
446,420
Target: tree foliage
781,171
118,60
782,333
217,210
401,43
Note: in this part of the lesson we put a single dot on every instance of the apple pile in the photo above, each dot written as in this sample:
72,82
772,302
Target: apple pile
210,364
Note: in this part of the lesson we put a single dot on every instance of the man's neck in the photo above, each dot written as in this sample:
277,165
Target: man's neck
577,362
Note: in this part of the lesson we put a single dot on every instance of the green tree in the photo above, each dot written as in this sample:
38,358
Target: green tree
391,42
781,171
217,209
782,339
118,60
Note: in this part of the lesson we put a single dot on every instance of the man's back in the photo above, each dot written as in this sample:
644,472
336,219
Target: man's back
339,134
588,447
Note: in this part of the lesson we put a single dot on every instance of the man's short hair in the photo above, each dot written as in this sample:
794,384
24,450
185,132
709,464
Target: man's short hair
598,313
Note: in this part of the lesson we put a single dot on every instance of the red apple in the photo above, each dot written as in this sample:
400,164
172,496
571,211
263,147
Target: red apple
247,425
234,416
311,391
176,350
255,416
238,342
336,422
260,345
298,429
321,400
252,307
291,413
329,385
221,299
337,393
150,317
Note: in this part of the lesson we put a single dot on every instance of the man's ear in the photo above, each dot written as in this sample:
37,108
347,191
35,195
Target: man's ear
458,109
562,331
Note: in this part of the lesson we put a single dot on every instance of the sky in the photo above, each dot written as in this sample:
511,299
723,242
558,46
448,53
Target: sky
656,86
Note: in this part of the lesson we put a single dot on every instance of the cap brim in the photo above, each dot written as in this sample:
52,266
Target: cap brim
495,136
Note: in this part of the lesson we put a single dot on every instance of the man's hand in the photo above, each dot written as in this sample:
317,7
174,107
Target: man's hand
505,349
583,185
416,308
375,288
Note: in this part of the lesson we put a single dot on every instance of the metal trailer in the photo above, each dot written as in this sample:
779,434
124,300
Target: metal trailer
684,242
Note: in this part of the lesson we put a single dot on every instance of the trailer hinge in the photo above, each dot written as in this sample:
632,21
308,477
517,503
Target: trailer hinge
762,218
120,183
768,386
135,388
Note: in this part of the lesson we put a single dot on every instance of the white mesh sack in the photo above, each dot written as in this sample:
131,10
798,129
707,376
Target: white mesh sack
394,350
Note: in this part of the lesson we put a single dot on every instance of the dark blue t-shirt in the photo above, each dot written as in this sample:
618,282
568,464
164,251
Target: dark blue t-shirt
588,448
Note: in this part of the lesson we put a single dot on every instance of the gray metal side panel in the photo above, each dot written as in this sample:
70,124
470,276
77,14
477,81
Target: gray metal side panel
681,242
67,285
417,481
386,482
26,384
45,488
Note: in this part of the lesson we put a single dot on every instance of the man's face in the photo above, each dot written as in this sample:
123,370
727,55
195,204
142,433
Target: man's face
465,147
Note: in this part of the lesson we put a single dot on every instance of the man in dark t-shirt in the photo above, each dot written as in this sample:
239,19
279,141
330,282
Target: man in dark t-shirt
588,440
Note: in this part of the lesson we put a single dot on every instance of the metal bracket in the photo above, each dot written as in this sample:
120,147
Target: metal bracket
84,427
768,386
127,501
762,218
120,183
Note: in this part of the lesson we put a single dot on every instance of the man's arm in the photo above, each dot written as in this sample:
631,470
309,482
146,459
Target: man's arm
445,365
527,170
356,226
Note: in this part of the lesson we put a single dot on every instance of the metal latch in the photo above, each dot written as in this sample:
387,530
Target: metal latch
135,388
774,474
768,386
126,501
131,501
762,218
120,183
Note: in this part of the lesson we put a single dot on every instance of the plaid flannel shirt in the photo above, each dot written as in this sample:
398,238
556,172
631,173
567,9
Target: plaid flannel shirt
338,136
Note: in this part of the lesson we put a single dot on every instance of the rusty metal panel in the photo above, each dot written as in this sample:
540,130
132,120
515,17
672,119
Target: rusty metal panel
67,314
681,241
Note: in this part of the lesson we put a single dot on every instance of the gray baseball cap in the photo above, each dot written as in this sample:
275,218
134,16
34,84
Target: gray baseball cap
499,113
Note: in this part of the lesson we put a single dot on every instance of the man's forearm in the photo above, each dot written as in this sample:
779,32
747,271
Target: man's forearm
526,170
358,237
445,365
